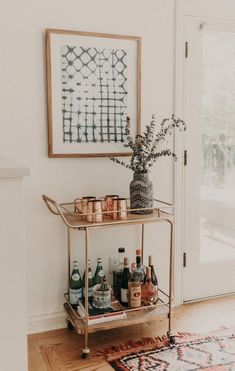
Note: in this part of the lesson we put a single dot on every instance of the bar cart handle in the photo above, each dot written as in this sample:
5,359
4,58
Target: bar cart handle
51,204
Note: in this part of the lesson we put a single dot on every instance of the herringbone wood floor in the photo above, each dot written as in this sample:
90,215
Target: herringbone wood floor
59,350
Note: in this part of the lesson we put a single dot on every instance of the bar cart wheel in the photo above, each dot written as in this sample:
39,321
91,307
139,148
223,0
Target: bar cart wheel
69,325
172,339
85,353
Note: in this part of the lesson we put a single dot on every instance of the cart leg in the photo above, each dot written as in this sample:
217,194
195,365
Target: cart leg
142,242
171,284
86,350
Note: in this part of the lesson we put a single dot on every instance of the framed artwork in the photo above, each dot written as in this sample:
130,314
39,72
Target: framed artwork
93,84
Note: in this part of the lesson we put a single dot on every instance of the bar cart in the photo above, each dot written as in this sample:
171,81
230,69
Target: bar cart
161,212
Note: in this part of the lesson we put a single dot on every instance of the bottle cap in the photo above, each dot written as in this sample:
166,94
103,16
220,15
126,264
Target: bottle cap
126,262
121,249
138,252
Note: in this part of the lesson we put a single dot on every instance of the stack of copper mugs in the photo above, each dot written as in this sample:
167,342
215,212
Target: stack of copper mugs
95,209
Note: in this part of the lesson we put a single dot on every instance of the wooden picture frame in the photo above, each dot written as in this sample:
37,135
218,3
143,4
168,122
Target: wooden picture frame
93,84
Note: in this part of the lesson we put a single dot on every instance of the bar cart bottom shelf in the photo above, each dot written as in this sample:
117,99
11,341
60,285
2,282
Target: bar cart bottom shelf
132,318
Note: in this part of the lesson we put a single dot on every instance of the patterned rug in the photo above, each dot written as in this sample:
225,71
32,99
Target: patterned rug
215,352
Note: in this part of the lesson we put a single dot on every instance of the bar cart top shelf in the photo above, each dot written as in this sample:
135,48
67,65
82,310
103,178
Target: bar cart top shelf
161,210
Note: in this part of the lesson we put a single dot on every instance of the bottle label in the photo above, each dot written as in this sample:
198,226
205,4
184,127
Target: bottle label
75,277
101,273
135,297
90,292
124,295
74,295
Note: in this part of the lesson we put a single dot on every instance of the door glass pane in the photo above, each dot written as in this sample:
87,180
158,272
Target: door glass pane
218,147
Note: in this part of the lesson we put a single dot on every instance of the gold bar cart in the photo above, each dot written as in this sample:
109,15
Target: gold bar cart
161,213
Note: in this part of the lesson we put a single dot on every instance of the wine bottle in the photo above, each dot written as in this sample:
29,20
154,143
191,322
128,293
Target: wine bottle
154,279
139,267
99,273
124,283
134,289
90,282
149,294
75,286
118,266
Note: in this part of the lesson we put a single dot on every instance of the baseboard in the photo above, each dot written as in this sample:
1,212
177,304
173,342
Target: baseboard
46,322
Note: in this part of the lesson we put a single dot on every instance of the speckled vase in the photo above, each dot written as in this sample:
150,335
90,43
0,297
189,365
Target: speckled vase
141,193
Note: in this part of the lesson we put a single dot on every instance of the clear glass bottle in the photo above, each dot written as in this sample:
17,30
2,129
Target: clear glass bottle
134,289
90,282
118,261
149,294
124,283
139,266
118,266
99,273
75,285
154,279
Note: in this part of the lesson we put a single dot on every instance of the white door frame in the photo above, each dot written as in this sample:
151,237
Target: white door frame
181,15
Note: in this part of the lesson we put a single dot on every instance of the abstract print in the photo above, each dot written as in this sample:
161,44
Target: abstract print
94,94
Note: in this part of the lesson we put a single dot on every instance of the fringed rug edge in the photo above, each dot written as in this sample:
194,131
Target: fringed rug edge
114,352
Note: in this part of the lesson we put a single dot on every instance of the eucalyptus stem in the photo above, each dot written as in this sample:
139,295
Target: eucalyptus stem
148,147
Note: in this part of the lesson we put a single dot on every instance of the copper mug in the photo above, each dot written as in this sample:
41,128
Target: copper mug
122,208
108,204
81,204
94,211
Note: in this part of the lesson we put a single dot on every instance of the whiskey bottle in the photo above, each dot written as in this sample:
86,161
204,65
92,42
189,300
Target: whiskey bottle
99,273
139,267
75,286
124,283
154,279
134,289
149,293
90,282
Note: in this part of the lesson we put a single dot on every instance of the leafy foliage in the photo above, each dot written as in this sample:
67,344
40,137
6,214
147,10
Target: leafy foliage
149,146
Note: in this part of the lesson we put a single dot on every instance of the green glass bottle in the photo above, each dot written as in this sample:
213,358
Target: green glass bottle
75,286
90,282
99,273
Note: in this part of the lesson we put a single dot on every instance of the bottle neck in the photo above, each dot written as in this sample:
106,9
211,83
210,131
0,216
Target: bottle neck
138,260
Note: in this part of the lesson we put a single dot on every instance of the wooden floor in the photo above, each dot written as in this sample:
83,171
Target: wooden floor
59,350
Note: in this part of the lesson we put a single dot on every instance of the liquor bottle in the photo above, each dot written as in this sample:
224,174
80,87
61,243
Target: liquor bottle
154,279
139,267
99,273
75,286
149,294
90,282
118,266
118,261
134,289
124,283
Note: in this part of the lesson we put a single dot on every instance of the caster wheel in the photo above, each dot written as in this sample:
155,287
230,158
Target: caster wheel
172,339
85,353
69,325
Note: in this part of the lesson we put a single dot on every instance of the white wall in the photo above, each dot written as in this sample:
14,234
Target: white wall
13,308
24,131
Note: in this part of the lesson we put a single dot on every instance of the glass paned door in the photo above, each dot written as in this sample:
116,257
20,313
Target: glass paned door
210,174
218,147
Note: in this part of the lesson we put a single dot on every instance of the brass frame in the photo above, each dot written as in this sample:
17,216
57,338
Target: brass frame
136,39
159,215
